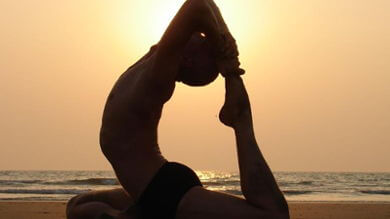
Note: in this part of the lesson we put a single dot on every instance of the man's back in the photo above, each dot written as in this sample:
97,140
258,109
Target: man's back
128,136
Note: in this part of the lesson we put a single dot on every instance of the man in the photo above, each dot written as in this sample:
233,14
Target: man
152,186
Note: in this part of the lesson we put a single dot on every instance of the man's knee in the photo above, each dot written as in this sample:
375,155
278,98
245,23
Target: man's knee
76,199
70,206
73,203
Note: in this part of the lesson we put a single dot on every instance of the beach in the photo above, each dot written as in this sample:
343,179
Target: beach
299,210
311,195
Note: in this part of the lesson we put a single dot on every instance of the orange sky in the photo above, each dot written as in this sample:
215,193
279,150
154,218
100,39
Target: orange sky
318,75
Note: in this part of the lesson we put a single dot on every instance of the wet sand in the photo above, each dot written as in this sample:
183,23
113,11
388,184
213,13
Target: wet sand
299,210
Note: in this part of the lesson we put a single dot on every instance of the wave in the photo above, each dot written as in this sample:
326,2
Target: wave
296,192
376,192
44,191
35,198
90,181
305,183
222,183
286,192
13,182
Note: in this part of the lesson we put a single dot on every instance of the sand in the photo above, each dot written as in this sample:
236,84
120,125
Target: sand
299,210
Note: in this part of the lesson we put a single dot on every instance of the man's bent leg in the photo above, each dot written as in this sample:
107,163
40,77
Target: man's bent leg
96,203
263,199
257,181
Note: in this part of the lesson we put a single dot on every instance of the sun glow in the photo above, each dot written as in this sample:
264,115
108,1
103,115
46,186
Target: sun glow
160,16
144,22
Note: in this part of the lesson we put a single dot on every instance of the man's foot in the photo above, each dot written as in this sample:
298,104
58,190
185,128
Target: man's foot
236,107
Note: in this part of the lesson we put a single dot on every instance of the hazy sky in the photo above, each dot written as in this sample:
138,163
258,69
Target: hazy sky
318,75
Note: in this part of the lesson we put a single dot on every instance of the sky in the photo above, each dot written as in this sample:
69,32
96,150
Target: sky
318,76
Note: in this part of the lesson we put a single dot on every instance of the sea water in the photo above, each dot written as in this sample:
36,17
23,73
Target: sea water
297,186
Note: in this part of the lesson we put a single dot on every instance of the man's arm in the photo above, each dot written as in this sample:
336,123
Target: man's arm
194,16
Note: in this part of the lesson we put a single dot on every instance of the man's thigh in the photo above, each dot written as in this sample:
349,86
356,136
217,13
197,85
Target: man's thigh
199,203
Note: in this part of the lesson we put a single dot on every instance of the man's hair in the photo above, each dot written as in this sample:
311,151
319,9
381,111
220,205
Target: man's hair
198,64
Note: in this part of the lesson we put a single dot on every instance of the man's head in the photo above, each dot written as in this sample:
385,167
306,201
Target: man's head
198,65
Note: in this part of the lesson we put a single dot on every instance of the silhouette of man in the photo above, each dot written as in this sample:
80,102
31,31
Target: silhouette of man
152,186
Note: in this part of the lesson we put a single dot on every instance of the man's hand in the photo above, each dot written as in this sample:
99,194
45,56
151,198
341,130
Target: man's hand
227,56
226,48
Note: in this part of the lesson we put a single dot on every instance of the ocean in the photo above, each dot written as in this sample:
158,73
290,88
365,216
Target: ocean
297,186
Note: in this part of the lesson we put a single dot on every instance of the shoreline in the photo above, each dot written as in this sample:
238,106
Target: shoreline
289,202
298,209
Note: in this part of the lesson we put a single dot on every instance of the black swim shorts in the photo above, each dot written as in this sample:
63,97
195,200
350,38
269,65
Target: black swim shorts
163,194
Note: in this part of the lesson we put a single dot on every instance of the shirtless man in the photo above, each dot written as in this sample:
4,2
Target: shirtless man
152,186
